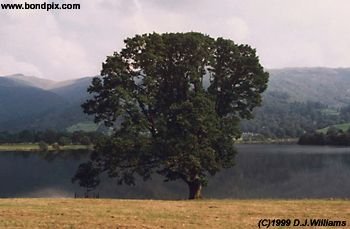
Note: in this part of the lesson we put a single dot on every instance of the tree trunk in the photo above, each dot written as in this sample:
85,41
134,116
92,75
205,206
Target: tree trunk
195,188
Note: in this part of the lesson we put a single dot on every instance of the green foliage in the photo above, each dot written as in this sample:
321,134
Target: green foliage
300,100
62,141
56,146
170,122
51,137
280,118
87,175
85,140
19,102
333,136
27,106
83,126
345,112
326,85
43,146
343,126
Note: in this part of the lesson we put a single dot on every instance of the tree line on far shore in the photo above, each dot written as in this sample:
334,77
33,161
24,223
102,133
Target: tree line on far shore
281,118
333,136
51,137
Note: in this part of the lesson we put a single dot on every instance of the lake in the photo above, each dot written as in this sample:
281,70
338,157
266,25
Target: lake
261,171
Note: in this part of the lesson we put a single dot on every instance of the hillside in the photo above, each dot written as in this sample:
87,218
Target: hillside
328,86
301,100
73,90
32,81
32,103
297,100
18,102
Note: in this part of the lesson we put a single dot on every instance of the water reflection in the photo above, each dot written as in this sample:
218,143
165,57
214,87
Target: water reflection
287,171
261,171
38,174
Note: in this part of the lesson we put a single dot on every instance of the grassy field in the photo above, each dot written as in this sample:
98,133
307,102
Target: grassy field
329,111
83,126
35,147
105,213
343,126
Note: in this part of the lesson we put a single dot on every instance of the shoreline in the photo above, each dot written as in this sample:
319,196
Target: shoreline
34,147
270,141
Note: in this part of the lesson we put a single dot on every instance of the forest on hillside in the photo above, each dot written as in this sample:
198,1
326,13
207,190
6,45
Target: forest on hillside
278,118
297,101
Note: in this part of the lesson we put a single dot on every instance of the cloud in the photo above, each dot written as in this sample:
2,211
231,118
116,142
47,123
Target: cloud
9,66
70,44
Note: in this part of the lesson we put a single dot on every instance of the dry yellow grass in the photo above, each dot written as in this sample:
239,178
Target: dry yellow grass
107,213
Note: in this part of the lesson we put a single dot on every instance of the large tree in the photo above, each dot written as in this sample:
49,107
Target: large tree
174,101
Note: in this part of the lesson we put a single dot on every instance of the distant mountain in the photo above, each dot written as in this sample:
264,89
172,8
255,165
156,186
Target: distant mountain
33,103
301,100
73,90
330,86
9,82
32,81
297,100
75,87
19,101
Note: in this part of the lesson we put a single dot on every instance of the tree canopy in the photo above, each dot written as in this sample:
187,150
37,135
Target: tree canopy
174,101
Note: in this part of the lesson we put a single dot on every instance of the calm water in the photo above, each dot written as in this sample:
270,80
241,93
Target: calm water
261,171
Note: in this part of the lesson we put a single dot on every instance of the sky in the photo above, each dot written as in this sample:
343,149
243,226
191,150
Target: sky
67,44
